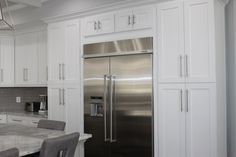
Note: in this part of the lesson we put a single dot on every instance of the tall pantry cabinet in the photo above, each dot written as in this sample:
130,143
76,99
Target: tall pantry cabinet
64,73
191,86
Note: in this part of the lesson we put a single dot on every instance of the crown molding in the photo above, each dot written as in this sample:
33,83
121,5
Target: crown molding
98,9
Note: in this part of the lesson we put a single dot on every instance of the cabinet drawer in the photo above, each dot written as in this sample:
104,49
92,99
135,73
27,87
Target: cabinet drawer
16,120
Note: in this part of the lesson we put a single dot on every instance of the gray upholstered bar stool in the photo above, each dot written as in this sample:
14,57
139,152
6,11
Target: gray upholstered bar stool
63,146
14,152
51,124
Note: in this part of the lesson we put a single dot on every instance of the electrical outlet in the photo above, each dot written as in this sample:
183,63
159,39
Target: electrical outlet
18,99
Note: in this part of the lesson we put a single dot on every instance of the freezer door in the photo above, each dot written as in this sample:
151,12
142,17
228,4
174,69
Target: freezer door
131,87
94,87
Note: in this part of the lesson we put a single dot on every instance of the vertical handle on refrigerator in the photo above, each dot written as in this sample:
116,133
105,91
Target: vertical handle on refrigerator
105,108
112,78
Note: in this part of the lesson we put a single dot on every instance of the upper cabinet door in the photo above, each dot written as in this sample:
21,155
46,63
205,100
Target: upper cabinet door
42,58
7,62
71,66
123,21
201,120
171,116
170,42
105,24
142,18
199,42
56,49
98,25
26,59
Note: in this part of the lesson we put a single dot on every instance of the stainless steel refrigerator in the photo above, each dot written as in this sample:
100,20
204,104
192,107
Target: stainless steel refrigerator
118,98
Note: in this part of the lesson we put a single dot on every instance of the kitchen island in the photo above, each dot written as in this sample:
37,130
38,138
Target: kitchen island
28,139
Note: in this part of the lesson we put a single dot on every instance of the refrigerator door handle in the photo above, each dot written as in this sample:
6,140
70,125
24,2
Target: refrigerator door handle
112,80
105,108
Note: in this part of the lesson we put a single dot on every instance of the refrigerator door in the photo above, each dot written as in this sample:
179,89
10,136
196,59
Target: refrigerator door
95,84
131,87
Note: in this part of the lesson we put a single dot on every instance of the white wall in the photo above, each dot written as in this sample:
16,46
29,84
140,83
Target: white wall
231,75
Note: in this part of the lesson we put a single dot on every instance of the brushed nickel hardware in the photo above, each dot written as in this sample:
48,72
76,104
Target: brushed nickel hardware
187,99
95,25
186,66
181,100
99,25
134,19
181,65
129,20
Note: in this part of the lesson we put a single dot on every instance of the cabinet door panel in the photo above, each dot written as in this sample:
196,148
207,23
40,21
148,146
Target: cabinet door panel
106,24
199,41
73,108
200,121
71,68
123,21
171,121
7,62
142,18
170,42
26,59
89,26
56,49
55,104
42,58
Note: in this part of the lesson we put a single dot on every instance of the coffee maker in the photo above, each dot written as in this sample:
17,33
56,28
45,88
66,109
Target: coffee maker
43,104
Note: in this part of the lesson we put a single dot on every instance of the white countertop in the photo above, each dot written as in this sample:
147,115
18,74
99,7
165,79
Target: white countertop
28,139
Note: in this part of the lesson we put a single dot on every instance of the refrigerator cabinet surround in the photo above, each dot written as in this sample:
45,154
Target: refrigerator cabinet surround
118,102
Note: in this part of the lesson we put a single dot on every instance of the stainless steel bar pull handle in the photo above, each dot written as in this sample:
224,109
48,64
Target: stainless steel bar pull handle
2,75
187,101
181,65
63,71
95,25
106,139
134,19
24,74
181,100
63,97
99,25
186,66
111,107
59,96
129,20
59,71
27,75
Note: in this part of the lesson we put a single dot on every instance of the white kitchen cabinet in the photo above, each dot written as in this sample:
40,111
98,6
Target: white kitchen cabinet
140,18
187,120
64,73
56,103
3,118
186,41
101,24
56,47
42,58
30,59
64,52
199,41
171,115
7,62
170,42
26,59
201,120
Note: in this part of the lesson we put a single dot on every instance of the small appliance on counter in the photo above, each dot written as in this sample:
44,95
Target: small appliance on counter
43,104
32,106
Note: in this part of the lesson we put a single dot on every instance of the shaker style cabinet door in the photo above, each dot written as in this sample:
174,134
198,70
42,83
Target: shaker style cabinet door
26,59
106,24
89,26
71,65
56,48
171,115
170,42
201,120
56,103
123,21
142,18
7,62
199,41
42,58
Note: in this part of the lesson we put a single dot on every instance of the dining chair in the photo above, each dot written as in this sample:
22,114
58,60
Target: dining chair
14,152
52,124
63,146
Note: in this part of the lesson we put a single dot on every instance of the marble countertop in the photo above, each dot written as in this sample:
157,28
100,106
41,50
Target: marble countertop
25,114
28,139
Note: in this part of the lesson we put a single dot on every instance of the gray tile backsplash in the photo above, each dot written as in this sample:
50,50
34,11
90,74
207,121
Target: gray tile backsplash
8,97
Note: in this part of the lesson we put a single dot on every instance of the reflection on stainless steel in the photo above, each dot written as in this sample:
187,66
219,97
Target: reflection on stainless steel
125,127
120,46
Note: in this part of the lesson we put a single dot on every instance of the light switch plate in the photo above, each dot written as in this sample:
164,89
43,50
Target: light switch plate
18,99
